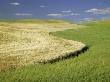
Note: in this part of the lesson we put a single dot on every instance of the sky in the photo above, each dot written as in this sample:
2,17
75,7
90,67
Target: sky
70,10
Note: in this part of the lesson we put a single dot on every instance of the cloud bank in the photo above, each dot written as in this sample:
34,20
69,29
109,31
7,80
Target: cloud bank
67,11
15,3
42,6
88,19
99,11
64,13
23,14
55,15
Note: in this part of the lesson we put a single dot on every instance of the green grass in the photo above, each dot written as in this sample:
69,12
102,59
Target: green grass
91,66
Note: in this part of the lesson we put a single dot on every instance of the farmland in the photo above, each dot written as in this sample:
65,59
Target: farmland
24,43
91,66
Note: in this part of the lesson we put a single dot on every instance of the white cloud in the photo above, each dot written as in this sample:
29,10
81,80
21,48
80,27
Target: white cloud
68,11
42,6
99,11
108,8
87,19
74,14
55,15
23,14
62,14
15,3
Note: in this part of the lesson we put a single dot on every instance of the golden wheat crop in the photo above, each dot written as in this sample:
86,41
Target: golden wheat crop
22,44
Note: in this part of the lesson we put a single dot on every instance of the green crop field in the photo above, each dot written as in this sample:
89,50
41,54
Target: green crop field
91,66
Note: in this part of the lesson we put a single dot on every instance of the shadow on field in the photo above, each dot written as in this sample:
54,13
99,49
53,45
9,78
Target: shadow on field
67,56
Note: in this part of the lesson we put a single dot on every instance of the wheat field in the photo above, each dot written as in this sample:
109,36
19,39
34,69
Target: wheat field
30,43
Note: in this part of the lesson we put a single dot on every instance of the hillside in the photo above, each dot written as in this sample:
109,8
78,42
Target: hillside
91,66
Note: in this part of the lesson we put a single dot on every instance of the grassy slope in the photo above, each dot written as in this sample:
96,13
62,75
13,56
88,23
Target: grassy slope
92,66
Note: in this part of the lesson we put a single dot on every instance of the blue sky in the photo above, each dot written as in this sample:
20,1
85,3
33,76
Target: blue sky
71,10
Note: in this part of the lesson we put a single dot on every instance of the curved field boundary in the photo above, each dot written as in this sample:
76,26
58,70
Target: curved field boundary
22,45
